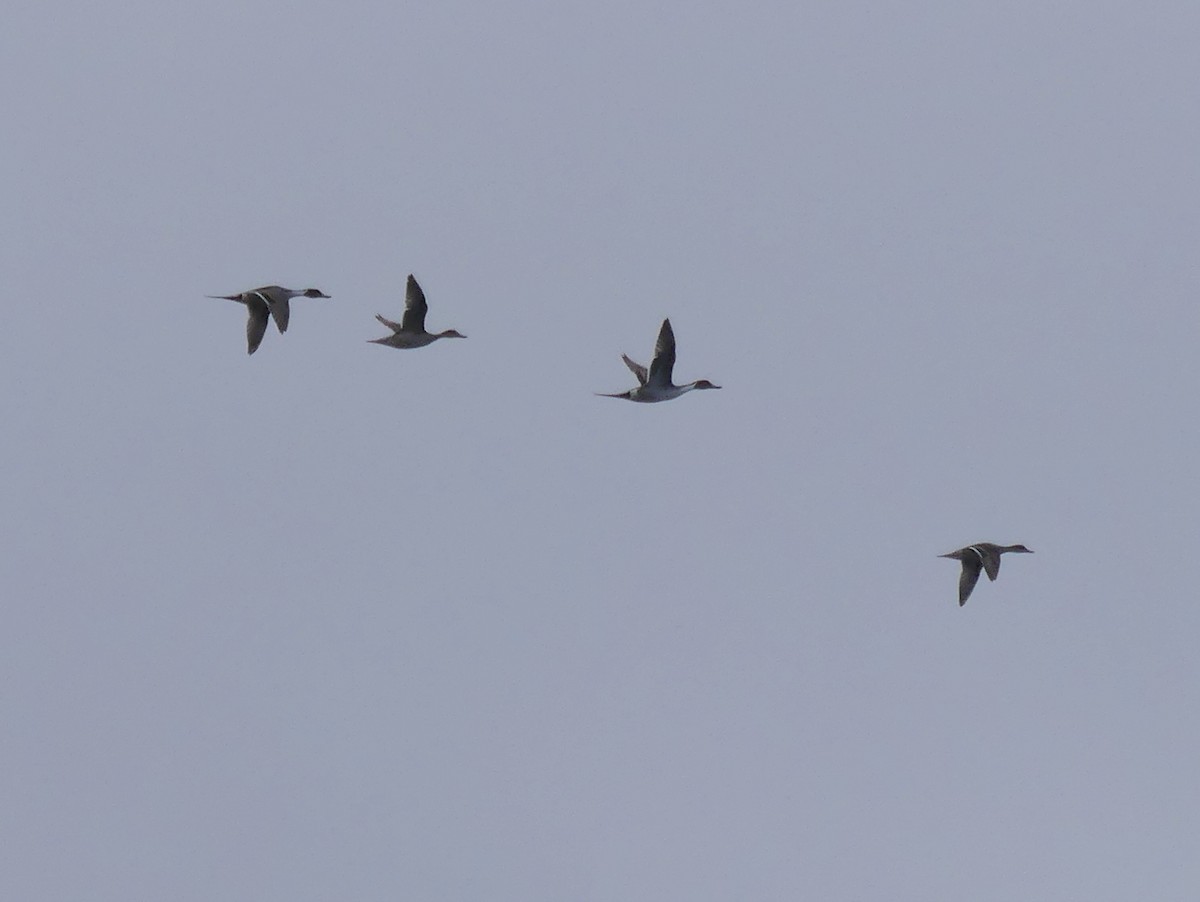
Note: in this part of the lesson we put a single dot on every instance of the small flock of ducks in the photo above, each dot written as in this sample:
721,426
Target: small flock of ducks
655,383
272,302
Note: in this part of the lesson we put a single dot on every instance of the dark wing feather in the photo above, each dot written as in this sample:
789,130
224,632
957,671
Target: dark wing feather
663,364
966,582
277,302
395,327
281,310
991,562
638,369
415,307
256,322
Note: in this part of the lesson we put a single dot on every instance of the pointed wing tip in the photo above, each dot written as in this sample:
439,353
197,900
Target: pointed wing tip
636,368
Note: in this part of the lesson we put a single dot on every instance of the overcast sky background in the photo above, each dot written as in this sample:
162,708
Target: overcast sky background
337,621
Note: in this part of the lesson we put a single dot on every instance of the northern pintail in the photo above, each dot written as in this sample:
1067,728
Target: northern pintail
270,301
410,331
983,555
655,384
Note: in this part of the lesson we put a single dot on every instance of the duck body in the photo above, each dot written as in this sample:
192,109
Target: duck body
982,556
655,383
651,394
268,302
410,331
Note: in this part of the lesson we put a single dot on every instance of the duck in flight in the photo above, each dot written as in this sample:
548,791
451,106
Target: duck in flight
410,331
654,384
268,302
983,556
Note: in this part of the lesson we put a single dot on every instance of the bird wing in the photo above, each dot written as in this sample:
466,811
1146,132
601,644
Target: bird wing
256,322
415,307
638,369
282,312
991,563
276,300
663,364
395,327
966,582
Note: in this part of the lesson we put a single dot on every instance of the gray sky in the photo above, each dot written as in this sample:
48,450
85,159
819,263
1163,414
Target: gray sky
338,621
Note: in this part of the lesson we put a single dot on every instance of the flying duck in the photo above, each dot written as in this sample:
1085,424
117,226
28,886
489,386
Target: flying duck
655,383
983,555
410,331
268,301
